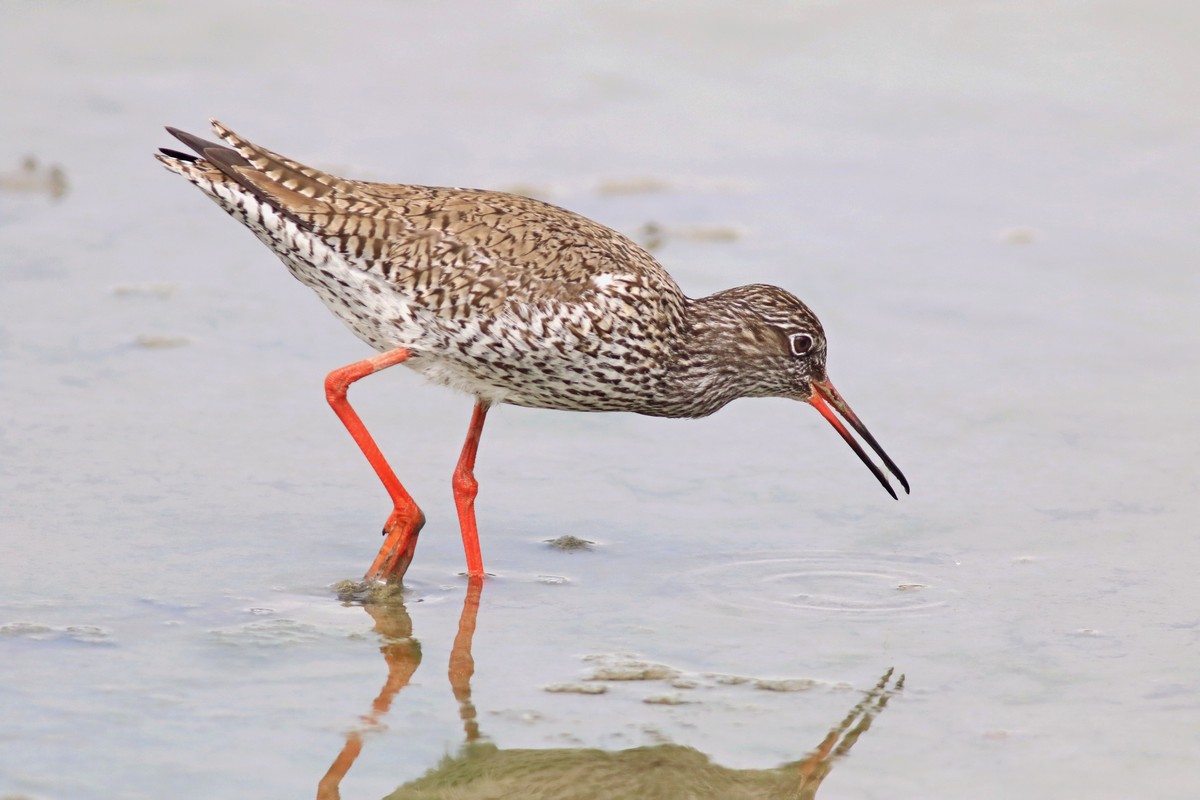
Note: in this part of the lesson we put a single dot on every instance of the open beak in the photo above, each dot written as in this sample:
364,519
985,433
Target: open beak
824,396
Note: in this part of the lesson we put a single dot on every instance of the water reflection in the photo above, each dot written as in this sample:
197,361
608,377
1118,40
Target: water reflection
403,655
481,769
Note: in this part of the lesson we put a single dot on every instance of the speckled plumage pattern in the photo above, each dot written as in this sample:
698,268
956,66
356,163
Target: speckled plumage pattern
508,298
514,301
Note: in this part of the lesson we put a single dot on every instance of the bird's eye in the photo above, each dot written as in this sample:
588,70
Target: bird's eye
801,343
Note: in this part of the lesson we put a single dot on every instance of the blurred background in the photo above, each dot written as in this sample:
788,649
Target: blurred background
991,206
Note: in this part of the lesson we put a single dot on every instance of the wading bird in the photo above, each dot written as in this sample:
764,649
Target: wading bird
511,300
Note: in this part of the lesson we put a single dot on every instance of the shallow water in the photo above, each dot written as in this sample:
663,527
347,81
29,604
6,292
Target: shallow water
991,207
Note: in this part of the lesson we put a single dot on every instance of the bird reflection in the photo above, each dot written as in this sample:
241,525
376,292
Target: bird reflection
483,770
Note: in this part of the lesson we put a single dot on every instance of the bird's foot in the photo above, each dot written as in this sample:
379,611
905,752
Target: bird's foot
399,543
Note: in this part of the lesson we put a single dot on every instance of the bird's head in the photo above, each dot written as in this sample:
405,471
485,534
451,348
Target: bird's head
780,348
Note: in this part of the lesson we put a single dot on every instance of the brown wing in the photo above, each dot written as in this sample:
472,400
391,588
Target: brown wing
453,251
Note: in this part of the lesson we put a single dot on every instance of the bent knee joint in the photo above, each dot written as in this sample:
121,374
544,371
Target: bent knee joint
336,385
465,485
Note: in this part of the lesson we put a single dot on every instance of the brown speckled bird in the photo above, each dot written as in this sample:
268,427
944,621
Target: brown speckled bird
511,300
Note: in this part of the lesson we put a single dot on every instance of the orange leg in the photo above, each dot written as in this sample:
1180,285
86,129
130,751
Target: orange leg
406,519
465,489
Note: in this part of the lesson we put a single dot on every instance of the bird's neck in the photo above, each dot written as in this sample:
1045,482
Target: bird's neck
708,365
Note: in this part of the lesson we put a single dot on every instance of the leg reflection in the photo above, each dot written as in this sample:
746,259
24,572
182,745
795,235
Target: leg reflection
462,664
403,655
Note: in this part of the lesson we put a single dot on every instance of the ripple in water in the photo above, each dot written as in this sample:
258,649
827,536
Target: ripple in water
843,583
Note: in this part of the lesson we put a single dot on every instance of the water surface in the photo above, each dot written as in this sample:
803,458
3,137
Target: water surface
992,208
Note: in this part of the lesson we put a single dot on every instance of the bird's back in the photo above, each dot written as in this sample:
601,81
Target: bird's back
507,297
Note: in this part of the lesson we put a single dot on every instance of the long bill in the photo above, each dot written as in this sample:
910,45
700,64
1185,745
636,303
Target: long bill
823,396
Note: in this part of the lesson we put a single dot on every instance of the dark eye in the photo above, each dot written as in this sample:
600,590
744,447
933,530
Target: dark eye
801,343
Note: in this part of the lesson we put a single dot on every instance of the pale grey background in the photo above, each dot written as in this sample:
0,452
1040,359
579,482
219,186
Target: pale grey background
992,206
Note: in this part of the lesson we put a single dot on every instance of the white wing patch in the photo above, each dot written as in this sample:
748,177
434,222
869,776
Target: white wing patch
603,281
